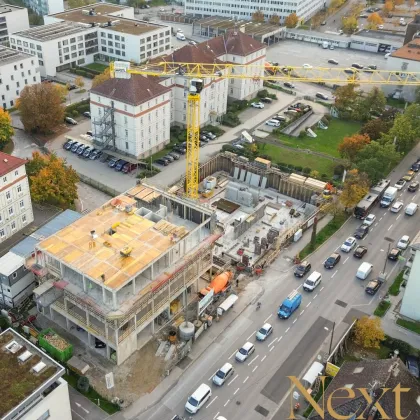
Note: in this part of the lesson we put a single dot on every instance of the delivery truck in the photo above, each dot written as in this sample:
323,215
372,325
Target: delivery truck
289,305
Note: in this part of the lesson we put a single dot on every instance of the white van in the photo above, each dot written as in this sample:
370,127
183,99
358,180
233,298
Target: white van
411,209
312,281
180,36
364,270
198,399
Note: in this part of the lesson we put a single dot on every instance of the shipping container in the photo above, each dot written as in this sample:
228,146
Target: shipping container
55,345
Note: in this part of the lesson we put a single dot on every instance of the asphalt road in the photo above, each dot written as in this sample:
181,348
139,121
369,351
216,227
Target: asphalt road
284,352
83,409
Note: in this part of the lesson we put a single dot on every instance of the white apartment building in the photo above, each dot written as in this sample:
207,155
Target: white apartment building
17,70
105,32
45,7
12,19
410,307
15,198
137,110
46,393
244,9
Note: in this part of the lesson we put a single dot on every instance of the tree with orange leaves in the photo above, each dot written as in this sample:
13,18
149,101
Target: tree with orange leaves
6,129
375,19
388,7
291,20
352,145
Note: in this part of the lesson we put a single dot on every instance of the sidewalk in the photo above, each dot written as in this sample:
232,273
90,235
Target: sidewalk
247,297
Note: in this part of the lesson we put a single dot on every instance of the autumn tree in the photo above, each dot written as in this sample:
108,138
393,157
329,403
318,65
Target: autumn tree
52,182
375,19
376,128
352,145
355,187
100,78
258,16
291,21
398,2
349,24
377,160
388,7
41,108
345,100
6,129
274,19
368,332
79,82
372,104
411,3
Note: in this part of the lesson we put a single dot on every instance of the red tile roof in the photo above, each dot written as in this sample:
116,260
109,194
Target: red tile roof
410,51
190,54
233,42
134,91
9,162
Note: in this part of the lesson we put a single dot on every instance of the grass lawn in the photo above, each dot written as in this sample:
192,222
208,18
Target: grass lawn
396,103
97,66
394,289
285,157
410,325
382,308
326,141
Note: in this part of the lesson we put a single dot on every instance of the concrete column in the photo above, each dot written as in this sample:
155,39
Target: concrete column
89,339
133,282
67,324
114,300
84,283
65,305
116,339
87,319
103,295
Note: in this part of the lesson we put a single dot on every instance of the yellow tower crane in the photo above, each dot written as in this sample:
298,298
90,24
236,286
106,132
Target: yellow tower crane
196,73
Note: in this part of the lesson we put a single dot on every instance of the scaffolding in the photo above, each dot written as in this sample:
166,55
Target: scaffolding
104,132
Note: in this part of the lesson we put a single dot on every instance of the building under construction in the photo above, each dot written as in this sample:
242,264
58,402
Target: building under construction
122,271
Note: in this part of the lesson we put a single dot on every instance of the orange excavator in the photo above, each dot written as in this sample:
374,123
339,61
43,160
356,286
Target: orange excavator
219,284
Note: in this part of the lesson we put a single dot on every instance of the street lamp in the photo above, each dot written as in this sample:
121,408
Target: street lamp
383,274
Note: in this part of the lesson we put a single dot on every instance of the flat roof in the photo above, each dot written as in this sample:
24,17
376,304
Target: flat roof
10,262
224,23
9,55
368,33
118,228
7,8
52,31
20,383
27,246
101,17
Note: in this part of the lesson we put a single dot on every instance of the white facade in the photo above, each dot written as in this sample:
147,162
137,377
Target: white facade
17,70
12,19
45,7
305,9
15,199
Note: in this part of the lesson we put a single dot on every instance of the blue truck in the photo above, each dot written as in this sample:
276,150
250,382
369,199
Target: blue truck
289,305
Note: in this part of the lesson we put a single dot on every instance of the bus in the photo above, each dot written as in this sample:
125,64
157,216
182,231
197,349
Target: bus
375,194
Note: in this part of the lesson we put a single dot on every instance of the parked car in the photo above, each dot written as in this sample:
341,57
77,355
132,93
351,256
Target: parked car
89,133
210,135
380,26
99,344
409,176
415,166
361,231
302,268
112,162
369,220
400,184
289,85
174,155
413,187
244,352
81,149
96,154
162,162
87,115
264,332
332,61
169,157
75,146
357,66
373,286
394,254
273,123
307,66
413,365
129,167
71,86
259,105
403,242
119,165
348,244
332,260
104,157
351,71
70,120
372,67
360,251
68,144
266,100
88,151
312,281
321,96
397,206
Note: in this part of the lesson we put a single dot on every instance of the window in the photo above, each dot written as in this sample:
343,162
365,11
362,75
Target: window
110,43
117,37
65,42
66,50
110,36
21,65
72,40
21,204
24,218
16,173
80,46
8,196
12,77
126,145
19,188
5,179
125,120
10,210
2,233
17,84
13,226
45,416
126,133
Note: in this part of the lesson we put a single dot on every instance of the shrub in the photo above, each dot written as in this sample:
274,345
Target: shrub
263,93
324,177
339,169
306,170
75,113
83,384
298,168
314,174
394,343
302,134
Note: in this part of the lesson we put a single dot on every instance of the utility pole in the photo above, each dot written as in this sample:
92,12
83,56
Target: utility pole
384,274
331,341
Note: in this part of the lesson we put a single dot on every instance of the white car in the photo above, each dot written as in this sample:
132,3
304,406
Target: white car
399,185
264,332
161,9
244,352
307,66
369,220
397,206
273,123
387,55
380,26
348,244
259,105
403,242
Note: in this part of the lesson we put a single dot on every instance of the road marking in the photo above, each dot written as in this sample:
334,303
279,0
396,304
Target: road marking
84,409
262,360
398,216
299,286
382,250
280,339
268,318
255,368
272,342
236,392
302,312
215,417
335,272
226,403
390,227
385,214
287,330
253,360
380,219
376,224
315,296
211,402
251,335
308,304
414,197
78,414
272,348
294,320
367,235
230,357
321,289
211,377
345,260
233,379
246,379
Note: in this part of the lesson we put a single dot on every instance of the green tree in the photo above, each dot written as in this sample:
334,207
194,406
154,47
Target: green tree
373,103
377,160
376,128
403,133
54,183
6,129
346,99
417,97
349,24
